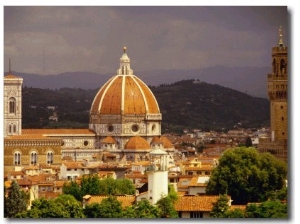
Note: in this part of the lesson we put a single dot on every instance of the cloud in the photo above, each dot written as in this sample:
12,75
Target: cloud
91,38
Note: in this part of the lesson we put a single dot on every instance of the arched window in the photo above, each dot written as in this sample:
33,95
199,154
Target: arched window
9,128
33,158
274,66
12,105
49,157
15,128
17,158
282,67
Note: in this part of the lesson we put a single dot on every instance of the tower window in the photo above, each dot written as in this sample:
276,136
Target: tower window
12,105
282,118
281,107
17,158
15,128
49,157
283,133
9,128
33,158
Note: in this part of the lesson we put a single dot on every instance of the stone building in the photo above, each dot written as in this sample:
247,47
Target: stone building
277,142
125,121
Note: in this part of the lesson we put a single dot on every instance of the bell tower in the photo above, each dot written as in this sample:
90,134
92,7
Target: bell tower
277,142
278,91
12,104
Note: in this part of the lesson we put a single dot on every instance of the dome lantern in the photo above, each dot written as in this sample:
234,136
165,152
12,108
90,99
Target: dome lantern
124,64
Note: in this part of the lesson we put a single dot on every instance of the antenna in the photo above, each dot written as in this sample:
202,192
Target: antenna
43,60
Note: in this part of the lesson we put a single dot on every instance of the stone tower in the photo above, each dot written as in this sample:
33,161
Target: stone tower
157,174
12,104
276,143
277,91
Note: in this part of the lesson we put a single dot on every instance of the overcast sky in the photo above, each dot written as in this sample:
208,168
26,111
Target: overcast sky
57,39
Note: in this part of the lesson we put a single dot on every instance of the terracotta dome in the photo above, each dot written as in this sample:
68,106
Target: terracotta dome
138,143
164,140
124,93
109,140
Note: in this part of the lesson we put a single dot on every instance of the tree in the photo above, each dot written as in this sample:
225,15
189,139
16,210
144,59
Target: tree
220,207
267,209
235,213
166,207
108,208
16,201
90,185
71,206
64,206
141,209
43,208
72,188
93,185
247,175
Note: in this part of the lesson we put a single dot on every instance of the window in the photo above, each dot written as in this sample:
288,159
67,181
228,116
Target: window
135,128
33,158
17,158
195,215
12,105
110,128
49,157
15,128
9,128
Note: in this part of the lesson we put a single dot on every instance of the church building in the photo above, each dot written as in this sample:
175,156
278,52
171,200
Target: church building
125,121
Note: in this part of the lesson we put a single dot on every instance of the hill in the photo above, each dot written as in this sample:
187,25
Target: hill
183,104
251,80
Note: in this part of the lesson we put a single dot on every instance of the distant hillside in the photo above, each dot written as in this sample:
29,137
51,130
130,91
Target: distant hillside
183,104
244,79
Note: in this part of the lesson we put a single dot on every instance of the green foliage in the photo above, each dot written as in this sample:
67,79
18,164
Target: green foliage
92,185
172,193
64,206
235,213
166,207
72,188
247,175
220,207
108,208
16,201
267,209
142,209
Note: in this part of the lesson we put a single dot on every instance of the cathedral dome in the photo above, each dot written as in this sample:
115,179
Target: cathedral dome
124,93
137,143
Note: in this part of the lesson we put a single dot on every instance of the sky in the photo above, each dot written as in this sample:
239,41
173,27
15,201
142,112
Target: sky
52,40
57,39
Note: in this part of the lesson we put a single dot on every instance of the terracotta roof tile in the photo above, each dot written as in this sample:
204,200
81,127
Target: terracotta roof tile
195,203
